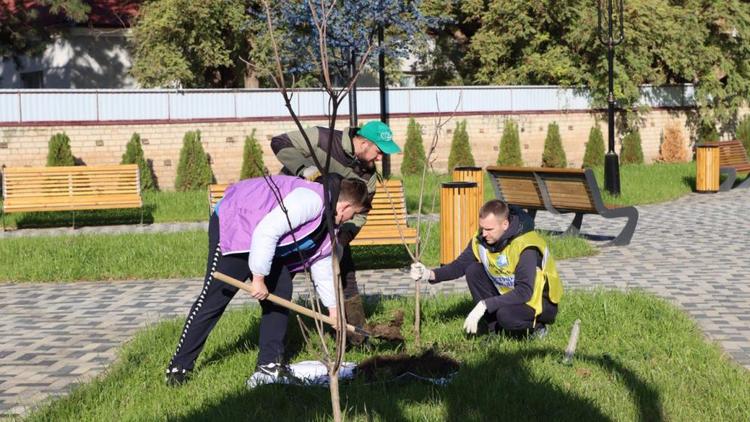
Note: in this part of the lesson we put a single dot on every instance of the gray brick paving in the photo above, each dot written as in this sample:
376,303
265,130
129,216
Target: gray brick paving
691,251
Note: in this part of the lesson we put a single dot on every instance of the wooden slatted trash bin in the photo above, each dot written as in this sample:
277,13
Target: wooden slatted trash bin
707,163
471,174
459,218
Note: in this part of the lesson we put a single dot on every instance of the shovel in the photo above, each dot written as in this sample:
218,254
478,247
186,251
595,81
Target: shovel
289,305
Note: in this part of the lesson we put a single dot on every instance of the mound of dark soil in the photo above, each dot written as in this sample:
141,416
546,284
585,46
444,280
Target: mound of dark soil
390,331
429,364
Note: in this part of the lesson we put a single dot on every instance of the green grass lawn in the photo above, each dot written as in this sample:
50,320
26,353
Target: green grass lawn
177,255
159,207
638,358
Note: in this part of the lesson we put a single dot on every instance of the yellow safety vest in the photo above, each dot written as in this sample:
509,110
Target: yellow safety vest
501,267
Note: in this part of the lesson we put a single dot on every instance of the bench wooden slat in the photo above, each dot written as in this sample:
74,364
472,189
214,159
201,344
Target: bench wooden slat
733,159
558,191
71,188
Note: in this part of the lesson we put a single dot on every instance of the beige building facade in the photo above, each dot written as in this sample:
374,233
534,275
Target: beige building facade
91,143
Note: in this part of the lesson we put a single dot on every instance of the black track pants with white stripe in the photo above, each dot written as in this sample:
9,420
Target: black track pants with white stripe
215,296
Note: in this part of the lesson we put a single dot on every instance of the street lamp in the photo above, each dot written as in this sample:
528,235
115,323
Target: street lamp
386,161
353,93
611,39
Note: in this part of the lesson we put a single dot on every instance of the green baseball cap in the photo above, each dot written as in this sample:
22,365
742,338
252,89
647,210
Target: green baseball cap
380,134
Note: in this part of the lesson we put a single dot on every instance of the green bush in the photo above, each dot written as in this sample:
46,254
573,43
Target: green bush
252,158
594,155
554,155
134,155
743,133
708,133
631,151
510,146
414,155
194,171
460,154
59,151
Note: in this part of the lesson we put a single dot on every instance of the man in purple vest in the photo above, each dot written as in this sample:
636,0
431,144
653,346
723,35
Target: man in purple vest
251,235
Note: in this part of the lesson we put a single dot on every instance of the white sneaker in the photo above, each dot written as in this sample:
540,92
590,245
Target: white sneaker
271,373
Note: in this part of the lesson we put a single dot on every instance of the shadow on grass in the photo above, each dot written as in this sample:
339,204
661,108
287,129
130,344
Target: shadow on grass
38,220
497,387
378,257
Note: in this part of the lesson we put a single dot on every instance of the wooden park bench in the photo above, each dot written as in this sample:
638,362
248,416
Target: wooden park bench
71,188
559,191
732,160
383,220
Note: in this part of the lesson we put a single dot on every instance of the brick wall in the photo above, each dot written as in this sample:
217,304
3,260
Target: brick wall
224,141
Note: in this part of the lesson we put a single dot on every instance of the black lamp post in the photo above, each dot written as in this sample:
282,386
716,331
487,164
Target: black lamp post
353,93
608,37
383,105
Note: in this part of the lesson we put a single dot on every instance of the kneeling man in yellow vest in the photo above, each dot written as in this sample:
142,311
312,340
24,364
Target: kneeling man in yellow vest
510,272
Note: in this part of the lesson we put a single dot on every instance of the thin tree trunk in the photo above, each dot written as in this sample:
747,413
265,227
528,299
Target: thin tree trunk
335,396
417,312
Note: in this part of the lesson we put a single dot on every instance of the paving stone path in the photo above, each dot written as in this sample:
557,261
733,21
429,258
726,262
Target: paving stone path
692,251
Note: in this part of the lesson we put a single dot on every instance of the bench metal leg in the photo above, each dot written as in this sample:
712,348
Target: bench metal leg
3,213
631,213
575,225
729,181
141,216
745,183
74,220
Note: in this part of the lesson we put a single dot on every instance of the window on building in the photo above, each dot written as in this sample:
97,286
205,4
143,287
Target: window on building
32,80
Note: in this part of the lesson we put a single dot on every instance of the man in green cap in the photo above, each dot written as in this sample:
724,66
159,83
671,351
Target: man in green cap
354,152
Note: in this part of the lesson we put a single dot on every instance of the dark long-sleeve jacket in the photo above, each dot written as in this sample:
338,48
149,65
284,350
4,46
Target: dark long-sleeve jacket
292,150
525,272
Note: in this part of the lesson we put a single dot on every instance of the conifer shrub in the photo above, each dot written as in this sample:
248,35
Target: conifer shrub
460,154
134,155
673,148
554,154
59,153
510,146
252,158
631,151
743,133
194,171
414,155
594,155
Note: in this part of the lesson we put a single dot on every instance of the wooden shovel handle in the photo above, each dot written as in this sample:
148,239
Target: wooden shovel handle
287,304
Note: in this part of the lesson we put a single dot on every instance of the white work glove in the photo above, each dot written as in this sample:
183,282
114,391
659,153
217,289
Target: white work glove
419,272
310,173
470,325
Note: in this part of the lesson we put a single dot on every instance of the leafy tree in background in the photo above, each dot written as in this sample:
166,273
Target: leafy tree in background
743,133
517,42
414,155
460,154
22,31
631,151
194,171
252,158
510,146
196,44
594,155
298,40
59,151
134,155
554,154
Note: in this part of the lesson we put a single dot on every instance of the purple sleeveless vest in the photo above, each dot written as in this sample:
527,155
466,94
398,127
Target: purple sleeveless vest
246,202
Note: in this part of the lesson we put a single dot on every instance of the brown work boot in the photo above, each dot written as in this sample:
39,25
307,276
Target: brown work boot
355,315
